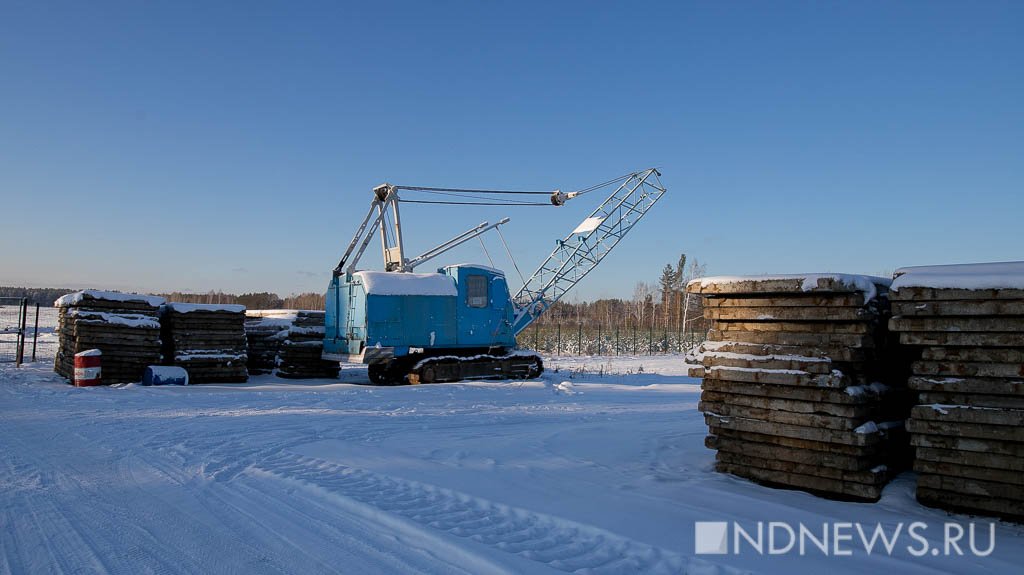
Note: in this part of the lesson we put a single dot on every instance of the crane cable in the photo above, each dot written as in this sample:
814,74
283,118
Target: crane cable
486,253
603,184
509,252
469,193
485,198
461,195
507,204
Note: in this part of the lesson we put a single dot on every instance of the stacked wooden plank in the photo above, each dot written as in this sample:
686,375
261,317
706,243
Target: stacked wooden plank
798,386
208,340
264,332
125,327
967,322
299,356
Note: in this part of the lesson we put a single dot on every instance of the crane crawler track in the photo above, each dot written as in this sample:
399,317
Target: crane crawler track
518,365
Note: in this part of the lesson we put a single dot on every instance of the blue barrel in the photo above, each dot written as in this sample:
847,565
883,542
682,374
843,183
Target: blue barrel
165,375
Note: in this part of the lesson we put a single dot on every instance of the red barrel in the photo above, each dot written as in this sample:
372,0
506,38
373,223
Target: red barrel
87,368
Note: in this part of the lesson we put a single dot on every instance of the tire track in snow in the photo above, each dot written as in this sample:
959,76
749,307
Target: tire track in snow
314,537
314,531
558,543
68,518
75,542
291,522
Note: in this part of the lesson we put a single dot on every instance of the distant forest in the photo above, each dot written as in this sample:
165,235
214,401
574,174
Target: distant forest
42,296
46,297
661,305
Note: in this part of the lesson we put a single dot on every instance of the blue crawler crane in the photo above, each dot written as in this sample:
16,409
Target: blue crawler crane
461,322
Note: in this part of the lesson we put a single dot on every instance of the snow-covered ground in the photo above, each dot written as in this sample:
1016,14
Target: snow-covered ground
597,467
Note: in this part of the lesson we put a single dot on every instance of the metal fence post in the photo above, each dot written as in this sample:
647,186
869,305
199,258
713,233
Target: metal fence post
35,335
616,339
536,337
19,353
579,338
665,343
634,340
599,342
558,340
650,340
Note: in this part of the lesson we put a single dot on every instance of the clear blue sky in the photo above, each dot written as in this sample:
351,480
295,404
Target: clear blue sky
233,146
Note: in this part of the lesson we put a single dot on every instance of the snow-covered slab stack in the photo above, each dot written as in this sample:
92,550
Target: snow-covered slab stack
798,386
208,340
265,330
125,327
299,356
967,322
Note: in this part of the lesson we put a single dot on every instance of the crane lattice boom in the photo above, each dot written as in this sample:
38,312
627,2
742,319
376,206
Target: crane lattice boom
580,252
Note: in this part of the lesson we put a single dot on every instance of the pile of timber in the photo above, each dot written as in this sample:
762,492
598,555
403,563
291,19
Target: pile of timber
265,330
208,340
967,323
802,388
299,356
125,327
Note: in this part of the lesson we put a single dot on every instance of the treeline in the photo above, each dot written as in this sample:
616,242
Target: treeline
262,300
661,305
258,300
42,296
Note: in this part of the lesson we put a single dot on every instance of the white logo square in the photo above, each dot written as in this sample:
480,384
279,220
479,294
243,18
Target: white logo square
711,537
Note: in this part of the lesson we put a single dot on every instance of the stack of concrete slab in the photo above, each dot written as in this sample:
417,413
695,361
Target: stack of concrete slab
124,327
265,330
208,340
799,389
967,322
299,356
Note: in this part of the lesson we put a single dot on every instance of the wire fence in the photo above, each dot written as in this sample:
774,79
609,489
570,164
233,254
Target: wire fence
41,344
580,339
27,332
555,338
12,329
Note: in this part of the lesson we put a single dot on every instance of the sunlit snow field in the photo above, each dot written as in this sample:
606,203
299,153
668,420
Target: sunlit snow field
597,467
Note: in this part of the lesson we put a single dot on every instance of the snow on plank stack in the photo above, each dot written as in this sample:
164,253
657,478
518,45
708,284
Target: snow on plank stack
968,426
208,340
125,327
794,393
299,357
265,330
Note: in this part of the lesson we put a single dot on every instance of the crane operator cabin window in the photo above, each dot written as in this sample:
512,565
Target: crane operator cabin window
476,291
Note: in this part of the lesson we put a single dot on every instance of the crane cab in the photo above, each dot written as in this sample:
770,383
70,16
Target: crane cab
377,317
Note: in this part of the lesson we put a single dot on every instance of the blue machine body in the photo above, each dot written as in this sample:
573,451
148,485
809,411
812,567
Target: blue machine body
376,316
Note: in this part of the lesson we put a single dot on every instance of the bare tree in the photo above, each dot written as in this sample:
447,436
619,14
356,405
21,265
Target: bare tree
641,297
